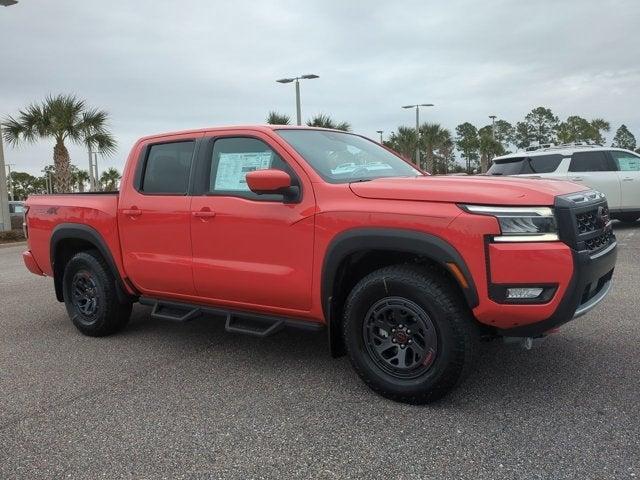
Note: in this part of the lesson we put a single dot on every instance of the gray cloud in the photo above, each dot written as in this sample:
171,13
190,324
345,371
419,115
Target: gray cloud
160,66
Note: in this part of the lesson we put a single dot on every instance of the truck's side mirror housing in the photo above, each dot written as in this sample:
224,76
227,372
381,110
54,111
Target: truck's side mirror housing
272,181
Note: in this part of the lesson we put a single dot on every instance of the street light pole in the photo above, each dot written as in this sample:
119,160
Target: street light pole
92,182
10,181
417,107
493,126
298,107
96,174
5,219
380,132
297,82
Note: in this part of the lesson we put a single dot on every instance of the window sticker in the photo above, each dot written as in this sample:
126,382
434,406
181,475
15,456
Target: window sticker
233,168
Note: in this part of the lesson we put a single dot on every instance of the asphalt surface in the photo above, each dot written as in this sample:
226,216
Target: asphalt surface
164,400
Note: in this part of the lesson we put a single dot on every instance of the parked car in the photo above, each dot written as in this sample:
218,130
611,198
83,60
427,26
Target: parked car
16,213
612,171
405,271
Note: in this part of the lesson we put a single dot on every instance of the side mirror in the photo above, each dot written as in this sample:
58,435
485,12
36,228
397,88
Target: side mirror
272,181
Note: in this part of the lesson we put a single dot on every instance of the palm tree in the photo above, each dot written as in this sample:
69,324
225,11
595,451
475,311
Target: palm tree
432,137
325,121
110,179
599,125
275,118
80,178
403,142
63,117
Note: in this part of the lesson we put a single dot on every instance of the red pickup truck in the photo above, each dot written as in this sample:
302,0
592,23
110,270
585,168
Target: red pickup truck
277,226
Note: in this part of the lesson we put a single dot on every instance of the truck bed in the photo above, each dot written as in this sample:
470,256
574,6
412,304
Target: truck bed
93,210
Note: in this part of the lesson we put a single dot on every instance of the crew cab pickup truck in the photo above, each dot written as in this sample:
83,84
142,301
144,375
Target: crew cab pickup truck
276,226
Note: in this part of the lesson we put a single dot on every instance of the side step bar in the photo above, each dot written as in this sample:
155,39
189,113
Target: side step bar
249,323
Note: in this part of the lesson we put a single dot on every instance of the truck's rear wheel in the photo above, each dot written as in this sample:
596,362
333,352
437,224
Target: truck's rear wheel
408,333
90,296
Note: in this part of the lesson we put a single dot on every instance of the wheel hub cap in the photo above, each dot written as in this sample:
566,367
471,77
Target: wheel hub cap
84,293
400,337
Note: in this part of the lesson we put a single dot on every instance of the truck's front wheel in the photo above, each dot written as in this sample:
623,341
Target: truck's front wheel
408,334
90,296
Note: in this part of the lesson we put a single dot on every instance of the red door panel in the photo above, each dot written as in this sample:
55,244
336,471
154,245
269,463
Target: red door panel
155,229
253,253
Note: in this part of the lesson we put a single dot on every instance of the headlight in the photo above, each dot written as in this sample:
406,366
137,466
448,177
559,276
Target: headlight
521,224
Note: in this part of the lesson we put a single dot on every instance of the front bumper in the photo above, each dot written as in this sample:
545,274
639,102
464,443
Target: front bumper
589,285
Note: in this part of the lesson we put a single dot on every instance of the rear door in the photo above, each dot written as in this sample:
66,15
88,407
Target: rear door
154,217
596,169
629,175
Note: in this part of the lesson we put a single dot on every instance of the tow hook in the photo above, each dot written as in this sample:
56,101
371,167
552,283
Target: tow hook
527,343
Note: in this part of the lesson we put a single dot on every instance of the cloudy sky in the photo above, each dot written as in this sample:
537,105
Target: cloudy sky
169,65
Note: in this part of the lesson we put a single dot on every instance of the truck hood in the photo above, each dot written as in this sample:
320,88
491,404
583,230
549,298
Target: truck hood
486,190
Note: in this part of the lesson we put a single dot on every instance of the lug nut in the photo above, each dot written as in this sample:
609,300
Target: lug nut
410,341
400,326
393,340
408,331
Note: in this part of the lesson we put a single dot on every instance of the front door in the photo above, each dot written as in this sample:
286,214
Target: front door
251,250
154,218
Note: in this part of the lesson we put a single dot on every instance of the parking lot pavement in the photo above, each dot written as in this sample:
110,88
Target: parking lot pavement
164,400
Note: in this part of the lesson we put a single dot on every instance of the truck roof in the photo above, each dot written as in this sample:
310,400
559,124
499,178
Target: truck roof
565,150
256,127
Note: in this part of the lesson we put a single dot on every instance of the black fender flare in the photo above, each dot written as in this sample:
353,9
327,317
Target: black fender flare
391,239
79,231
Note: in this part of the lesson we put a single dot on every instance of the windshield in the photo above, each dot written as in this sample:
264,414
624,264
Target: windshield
342,157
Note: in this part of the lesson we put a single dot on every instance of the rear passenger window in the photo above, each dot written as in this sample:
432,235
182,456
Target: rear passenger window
167,168
590,162
545,163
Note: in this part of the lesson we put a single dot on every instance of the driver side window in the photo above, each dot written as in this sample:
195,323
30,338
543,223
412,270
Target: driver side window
232,158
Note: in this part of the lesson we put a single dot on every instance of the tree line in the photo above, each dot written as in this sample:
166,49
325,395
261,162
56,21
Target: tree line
25,184
66,118
478,146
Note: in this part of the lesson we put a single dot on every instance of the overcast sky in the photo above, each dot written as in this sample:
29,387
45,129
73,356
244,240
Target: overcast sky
168,65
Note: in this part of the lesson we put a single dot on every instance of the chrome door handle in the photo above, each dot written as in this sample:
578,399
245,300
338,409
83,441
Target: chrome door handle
576,179
627,179
132,212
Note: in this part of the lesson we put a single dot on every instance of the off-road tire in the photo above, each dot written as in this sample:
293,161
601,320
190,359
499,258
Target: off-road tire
425,290
87,279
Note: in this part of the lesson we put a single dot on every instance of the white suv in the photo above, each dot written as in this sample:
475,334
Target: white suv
613,171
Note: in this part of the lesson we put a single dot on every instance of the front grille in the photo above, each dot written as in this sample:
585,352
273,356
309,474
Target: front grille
583,221
587,221
600,241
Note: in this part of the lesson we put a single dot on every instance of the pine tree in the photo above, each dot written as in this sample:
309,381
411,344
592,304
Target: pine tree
624,139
